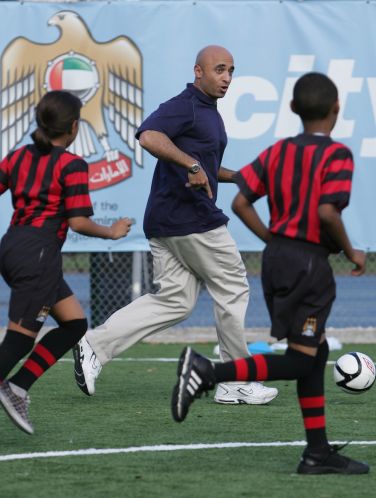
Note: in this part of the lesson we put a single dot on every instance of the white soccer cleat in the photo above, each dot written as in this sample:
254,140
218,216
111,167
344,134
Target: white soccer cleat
246,393
87,367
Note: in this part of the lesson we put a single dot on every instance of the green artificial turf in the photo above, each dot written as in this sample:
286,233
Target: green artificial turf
131,408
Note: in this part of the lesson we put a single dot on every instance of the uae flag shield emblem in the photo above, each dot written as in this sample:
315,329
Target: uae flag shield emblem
74,73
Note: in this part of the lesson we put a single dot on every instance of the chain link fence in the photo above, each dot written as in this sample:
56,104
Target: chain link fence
105,282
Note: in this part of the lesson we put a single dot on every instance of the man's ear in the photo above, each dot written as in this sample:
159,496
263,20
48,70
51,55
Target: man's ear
198,71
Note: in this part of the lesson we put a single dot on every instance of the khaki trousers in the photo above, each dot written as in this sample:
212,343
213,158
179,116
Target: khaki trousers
180,265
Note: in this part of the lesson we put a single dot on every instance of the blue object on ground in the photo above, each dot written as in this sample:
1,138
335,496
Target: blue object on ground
259,347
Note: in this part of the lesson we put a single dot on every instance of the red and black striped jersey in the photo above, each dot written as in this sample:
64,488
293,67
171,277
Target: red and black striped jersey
46,189
298,174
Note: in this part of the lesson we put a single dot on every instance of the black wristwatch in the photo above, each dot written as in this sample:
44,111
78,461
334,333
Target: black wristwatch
195,168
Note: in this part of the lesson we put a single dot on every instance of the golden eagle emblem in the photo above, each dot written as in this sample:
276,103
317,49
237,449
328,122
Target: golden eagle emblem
105,75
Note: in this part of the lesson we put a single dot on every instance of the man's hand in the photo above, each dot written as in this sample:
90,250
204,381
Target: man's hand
161,147
199,180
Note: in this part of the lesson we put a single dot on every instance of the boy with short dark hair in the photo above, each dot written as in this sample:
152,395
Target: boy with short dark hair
307,181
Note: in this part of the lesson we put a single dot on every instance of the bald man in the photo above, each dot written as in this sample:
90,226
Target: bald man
187,234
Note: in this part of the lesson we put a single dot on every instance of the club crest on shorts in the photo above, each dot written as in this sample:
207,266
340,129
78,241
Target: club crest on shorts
43,314
106,76
310,327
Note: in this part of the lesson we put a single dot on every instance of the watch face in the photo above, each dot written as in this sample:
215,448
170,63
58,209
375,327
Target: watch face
194,169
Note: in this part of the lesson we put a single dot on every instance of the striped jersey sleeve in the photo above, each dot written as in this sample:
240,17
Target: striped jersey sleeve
75,179
251,178
6,167
337,178
4,175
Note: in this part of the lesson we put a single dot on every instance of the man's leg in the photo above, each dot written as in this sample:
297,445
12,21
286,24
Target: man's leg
214,257
149,314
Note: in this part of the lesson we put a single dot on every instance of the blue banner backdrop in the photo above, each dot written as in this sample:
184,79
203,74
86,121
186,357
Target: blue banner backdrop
123,59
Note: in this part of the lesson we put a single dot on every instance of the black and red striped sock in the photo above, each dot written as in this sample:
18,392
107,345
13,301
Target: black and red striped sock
49,349
40,360
292,365
311,397
14,347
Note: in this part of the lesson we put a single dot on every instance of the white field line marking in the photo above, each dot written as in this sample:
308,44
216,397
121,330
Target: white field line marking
157,360
162,447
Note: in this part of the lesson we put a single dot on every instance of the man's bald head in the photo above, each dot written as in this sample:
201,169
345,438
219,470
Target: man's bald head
213,71
211,51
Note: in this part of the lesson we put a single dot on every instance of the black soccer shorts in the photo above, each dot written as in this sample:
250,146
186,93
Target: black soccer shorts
31,264
299,289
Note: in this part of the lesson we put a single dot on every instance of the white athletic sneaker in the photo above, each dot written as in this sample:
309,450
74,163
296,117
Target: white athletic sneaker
249,393
17,407
87,367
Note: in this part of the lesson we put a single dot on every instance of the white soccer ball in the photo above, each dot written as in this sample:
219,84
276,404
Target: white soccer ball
354,372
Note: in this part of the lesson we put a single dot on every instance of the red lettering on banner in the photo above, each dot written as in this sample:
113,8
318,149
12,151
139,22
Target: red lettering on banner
105,173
